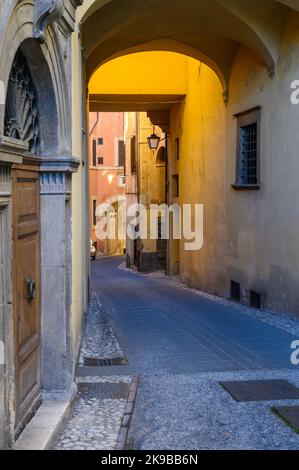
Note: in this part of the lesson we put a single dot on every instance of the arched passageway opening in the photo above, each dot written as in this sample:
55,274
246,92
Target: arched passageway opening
159,93
209,31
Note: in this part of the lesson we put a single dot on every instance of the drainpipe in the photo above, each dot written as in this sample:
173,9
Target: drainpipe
166,170
167,199
138,163
138,155
95,124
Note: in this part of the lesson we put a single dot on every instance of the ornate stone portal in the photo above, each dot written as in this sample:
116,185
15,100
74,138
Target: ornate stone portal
34,122
46,12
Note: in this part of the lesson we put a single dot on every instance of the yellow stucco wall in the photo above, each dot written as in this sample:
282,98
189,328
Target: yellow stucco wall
148,184
152,176
199,124
130,130
142,73
249,236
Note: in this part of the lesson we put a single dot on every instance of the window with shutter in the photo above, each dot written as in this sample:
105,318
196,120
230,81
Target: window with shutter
133,155
248,150
121,153
94,152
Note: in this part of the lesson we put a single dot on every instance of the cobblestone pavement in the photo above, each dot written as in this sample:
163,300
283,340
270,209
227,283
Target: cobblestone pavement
99,340
107,379
94,425
99,407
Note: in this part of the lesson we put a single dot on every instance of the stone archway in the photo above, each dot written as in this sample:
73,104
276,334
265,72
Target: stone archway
31,138
209,31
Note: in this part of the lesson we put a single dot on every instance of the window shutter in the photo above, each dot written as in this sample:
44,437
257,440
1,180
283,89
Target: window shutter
94,152
133,155
121,153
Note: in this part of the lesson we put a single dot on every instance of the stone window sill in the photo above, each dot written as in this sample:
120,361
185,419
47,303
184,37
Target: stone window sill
246,187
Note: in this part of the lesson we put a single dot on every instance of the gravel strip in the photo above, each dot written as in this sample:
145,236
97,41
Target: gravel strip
193,412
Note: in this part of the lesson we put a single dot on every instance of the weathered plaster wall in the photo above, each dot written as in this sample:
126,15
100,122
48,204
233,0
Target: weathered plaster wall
147,186
130,130
199,124
267,241
152,188
104,180
249,236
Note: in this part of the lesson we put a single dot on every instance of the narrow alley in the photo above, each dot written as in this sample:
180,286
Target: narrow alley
182,345
149,220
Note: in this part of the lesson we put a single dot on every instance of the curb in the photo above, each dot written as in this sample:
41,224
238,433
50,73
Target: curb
41,432
126,420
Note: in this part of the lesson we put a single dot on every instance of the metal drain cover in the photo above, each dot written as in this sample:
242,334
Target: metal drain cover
97,362
261,390
103,390
290,414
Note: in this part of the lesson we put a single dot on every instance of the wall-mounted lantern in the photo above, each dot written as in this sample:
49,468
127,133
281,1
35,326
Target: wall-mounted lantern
153,141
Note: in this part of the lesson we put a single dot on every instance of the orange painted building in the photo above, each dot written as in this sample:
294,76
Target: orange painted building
106,173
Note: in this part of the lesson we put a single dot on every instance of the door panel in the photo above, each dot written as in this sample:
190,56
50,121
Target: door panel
26,232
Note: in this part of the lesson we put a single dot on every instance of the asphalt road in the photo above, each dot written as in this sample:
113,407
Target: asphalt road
182,345
163,328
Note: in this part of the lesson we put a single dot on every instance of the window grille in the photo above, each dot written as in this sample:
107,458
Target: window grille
248,150
21,119
248,155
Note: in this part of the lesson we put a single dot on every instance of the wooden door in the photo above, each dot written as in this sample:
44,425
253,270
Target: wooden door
26,278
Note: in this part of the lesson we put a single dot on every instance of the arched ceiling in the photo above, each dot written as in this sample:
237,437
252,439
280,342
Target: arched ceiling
294,4
209,30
